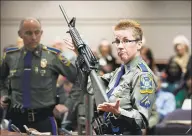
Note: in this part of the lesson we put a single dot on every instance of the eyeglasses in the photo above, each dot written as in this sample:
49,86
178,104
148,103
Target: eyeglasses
124,42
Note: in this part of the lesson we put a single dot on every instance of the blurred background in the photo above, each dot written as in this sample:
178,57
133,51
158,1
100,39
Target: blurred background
167,45
160,20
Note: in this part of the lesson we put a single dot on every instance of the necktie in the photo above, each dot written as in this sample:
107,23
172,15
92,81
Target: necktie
26,80
120,74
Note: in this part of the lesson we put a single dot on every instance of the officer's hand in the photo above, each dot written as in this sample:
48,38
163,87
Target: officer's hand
110,107
59,110
69,44
4,102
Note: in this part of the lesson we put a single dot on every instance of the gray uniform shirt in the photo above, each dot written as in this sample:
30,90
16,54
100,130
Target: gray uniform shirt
136,92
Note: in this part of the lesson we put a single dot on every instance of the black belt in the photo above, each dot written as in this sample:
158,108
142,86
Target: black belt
33,115
39,109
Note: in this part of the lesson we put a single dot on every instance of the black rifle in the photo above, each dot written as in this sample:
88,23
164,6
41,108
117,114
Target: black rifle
87,62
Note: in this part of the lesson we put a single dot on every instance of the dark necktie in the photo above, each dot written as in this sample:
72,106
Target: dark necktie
120,74
26,80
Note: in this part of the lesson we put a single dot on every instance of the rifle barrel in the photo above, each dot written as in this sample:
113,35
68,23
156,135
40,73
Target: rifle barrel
64,14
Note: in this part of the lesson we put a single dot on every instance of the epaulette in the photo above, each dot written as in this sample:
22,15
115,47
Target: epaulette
12,49
143,67
54,50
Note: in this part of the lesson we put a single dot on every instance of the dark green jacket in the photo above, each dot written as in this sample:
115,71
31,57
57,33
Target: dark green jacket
47,64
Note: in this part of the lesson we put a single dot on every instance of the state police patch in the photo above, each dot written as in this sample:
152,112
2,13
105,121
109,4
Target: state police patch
145,102
64,59
146,82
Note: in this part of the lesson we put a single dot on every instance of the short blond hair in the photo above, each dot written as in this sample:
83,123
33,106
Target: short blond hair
126,24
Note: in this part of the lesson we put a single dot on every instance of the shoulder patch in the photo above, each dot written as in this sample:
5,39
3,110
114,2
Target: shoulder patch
146,83
51,49
11,49
143,67
64,59
145,102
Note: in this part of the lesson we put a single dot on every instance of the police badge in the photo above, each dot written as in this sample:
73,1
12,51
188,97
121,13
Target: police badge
43,63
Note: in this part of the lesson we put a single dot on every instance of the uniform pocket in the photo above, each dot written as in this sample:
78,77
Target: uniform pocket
125,89
15,78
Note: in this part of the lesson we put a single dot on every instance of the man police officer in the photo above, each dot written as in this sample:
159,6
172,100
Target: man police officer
33,71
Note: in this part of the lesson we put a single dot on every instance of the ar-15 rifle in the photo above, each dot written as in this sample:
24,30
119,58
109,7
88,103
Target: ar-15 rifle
87,62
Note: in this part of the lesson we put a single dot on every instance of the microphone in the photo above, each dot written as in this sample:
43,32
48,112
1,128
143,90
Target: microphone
188,131
65,118
66,131
16,129
64,123
27,130
34,132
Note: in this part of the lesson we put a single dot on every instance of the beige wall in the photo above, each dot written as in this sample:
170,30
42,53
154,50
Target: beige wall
161,20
